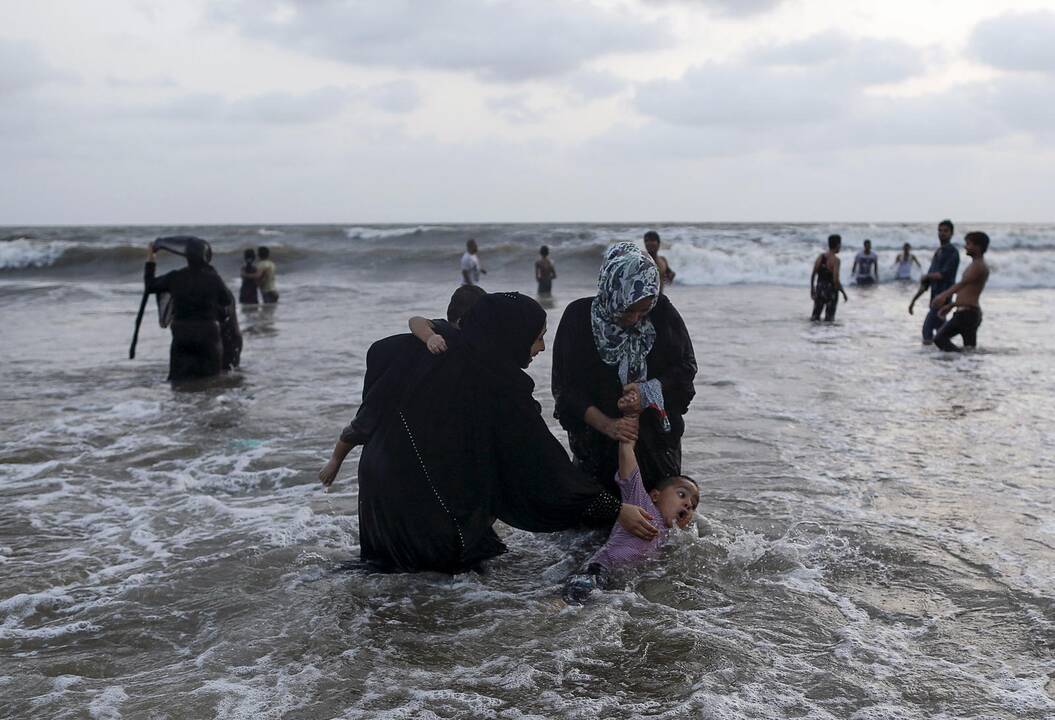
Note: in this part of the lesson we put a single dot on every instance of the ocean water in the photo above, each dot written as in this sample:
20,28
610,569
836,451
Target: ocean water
876,537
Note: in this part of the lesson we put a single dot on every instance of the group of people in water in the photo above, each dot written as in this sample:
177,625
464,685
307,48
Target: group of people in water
946,294
453,440
196,305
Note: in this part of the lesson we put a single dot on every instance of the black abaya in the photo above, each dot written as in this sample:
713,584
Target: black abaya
460,442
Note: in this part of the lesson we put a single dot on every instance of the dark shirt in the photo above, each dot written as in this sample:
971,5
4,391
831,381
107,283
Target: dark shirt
198,294
582,379
946,260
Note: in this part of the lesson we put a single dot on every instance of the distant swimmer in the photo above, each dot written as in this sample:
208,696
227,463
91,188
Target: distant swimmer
205,336
652,243
544,272
249,293
824,281
866,266
903,263
941,275
967,294
471,269
265,275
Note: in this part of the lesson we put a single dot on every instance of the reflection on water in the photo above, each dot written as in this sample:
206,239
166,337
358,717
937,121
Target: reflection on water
875,538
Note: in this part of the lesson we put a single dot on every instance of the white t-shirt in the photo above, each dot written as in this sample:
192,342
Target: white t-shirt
471,265
865,263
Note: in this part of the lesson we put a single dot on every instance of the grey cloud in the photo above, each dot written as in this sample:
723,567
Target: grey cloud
814,80
504,40
1016,41
286,108
22,68
156,82
730,8
861,60
595,84
398,96
514,108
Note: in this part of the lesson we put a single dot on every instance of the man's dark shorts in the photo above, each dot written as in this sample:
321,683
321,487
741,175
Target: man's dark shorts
965,322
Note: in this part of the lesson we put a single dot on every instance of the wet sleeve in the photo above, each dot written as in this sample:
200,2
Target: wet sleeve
569,379
950,261
153,284
633,488
539,488
677,379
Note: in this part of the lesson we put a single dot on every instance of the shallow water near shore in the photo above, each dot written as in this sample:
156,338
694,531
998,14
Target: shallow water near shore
876,535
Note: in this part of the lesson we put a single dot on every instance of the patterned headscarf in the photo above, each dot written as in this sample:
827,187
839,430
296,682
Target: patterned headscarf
628,274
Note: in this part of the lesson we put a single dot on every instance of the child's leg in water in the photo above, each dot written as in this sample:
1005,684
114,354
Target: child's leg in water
577,588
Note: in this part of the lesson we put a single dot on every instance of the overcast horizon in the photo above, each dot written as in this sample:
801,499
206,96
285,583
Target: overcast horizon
526,111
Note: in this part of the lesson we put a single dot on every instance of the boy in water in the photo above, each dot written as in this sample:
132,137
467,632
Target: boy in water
673,501
968,292
904,261
433,332
666,275
544,272
471,264
866,266
265,275
824,282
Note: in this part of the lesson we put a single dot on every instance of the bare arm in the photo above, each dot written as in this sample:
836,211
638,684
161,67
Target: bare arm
813,277
627,458
423,331
838,283
615,429
329,471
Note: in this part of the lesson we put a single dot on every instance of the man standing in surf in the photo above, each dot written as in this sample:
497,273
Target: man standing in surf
942,275
967,292
471,264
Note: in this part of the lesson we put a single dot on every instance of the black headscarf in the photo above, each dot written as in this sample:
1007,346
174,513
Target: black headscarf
499,331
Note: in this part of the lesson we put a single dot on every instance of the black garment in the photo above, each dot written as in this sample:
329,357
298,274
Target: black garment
249,294
545,287
581,379
201,304
392,359
458,442
946,260
964,322
825,294
270,297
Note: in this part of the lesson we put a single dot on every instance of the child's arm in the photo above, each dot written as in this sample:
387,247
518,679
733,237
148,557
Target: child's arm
329,471
627,458
424,332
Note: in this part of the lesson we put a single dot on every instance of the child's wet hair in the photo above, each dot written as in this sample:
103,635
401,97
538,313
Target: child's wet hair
674,478
462,300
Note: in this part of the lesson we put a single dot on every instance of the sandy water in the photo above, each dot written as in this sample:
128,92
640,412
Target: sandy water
876,540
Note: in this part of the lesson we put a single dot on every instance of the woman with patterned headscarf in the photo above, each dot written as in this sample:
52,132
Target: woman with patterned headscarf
625,345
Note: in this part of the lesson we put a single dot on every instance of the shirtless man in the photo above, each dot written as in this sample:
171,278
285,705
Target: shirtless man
666,275
968,291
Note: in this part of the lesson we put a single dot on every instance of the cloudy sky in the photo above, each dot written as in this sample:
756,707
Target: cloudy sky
264,111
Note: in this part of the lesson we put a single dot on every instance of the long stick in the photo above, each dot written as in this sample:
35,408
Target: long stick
139,320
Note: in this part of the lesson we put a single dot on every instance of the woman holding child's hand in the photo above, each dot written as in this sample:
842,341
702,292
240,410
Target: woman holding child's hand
625,352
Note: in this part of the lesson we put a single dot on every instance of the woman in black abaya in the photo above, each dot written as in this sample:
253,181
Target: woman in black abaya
457,441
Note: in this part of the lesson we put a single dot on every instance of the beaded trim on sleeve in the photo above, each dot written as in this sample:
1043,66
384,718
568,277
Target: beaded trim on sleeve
604,506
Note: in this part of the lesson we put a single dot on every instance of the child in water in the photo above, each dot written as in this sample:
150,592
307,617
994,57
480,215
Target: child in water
673,501
433,332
